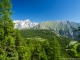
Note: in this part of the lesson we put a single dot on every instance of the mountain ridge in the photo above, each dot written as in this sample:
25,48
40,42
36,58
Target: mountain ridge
65,28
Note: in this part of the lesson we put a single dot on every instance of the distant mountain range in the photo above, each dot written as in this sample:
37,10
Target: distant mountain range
24,24
65,28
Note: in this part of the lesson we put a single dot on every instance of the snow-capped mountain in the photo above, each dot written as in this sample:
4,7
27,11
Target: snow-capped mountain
21,24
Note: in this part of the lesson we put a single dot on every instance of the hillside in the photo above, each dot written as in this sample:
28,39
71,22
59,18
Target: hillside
65,28
67,44
48,35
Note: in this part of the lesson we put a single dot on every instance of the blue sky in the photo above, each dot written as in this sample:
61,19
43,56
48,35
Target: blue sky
46,10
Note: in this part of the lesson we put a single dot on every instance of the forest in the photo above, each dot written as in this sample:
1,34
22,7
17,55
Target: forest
29,44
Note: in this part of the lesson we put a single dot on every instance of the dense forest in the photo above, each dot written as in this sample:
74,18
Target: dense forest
32,44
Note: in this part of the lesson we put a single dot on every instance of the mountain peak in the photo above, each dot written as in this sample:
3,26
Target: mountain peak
20,24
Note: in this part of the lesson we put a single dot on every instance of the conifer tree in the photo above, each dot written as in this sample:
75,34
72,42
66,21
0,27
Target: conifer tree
7,30
57,49
54,50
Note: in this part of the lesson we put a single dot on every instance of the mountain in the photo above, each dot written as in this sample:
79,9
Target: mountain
65,28
24,24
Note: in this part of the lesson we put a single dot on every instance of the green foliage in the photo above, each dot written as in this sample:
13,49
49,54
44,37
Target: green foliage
2,54
49,35
46,34
78,48
7,39
71,53
23,53
73,49
33,45
37,49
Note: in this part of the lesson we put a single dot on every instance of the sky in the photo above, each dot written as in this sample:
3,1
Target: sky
46,10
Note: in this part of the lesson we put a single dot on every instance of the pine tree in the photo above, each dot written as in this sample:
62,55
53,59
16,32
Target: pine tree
6,24
7,30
